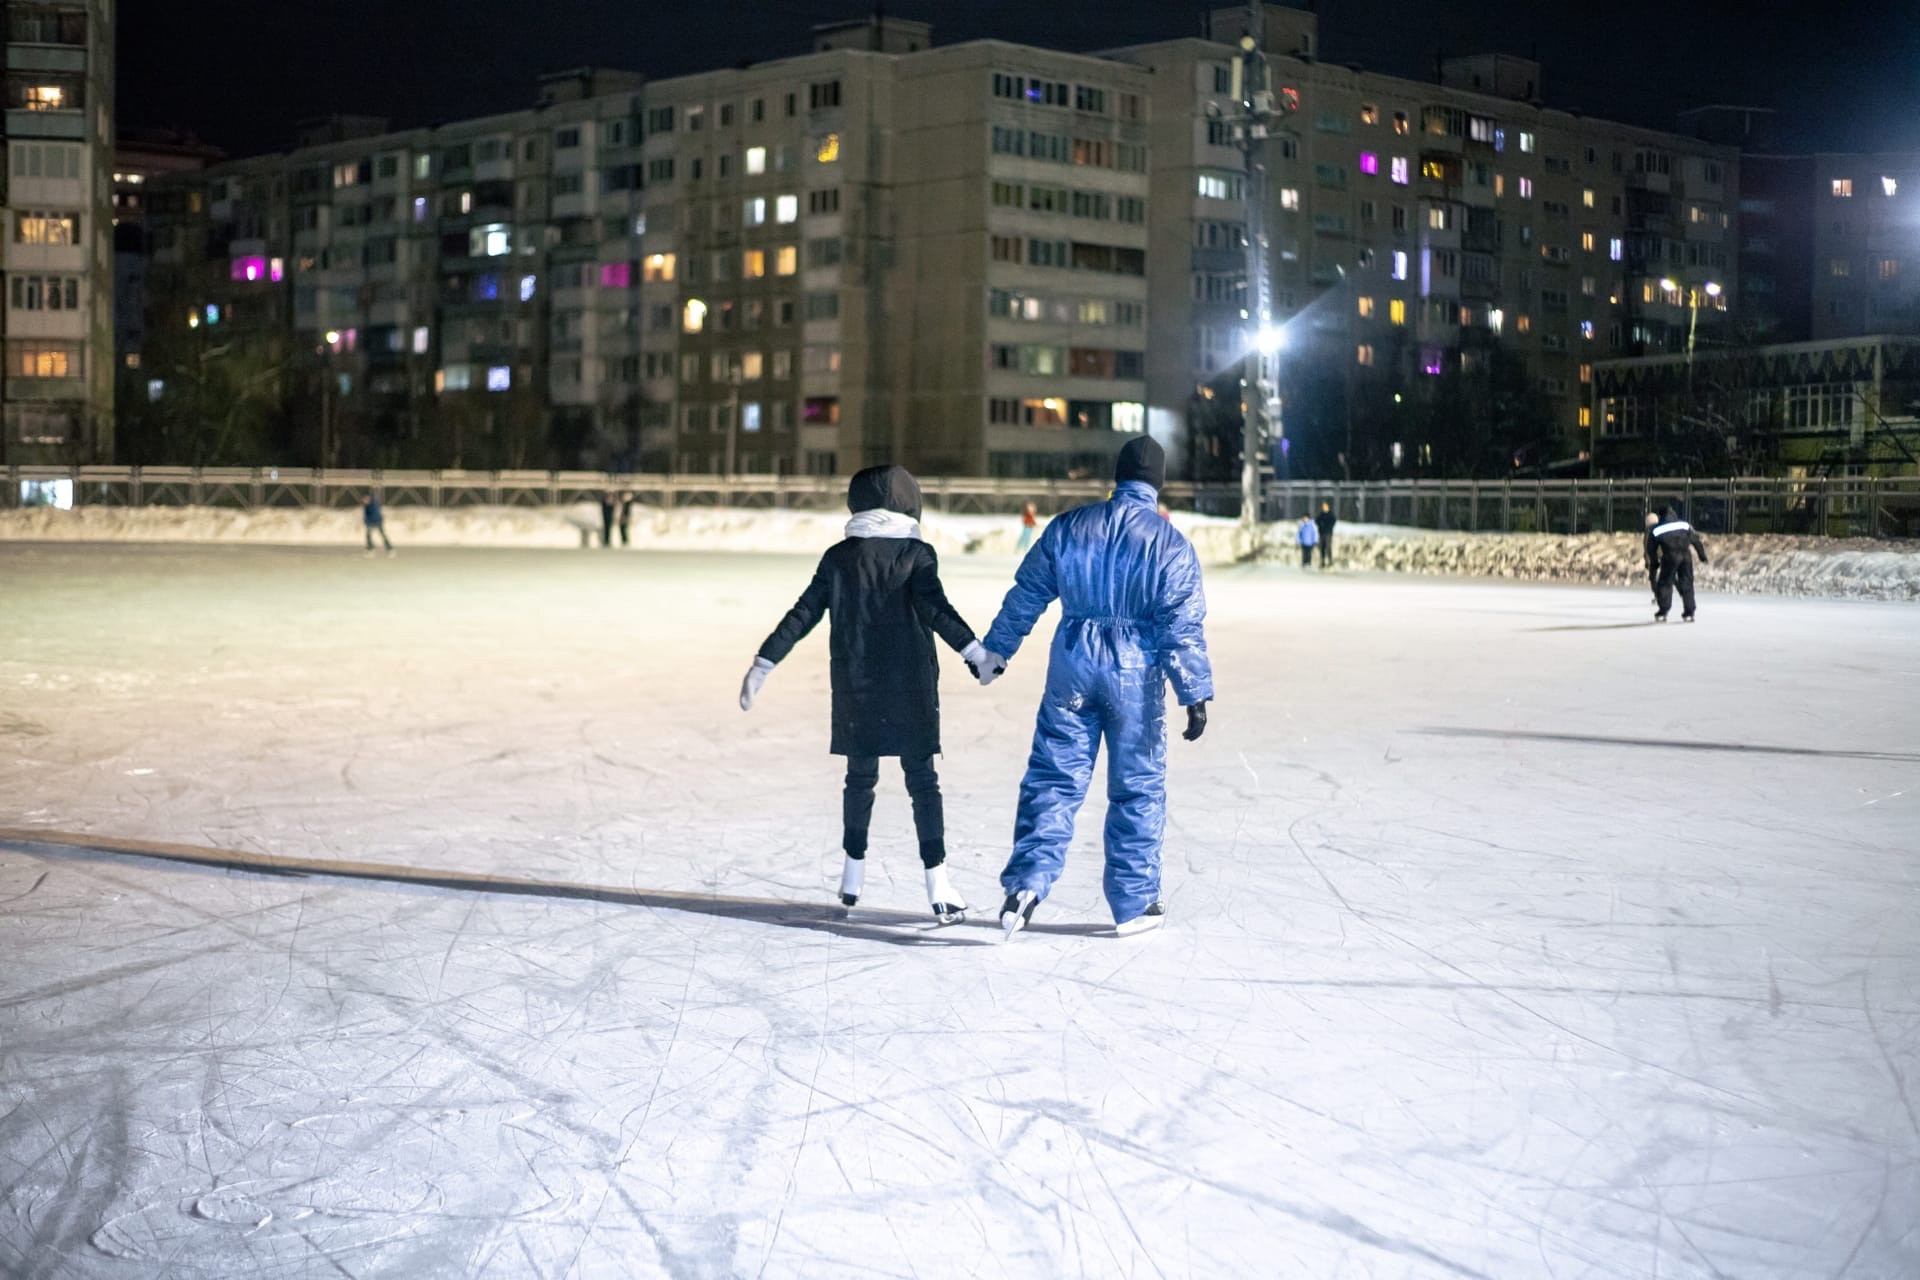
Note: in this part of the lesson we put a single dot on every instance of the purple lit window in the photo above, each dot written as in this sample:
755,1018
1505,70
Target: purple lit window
250,268
1432,362
486,287
616,275
1369,162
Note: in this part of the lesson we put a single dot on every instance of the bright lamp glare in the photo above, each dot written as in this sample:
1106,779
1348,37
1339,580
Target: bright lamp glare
1713,289
1267,339
1669,284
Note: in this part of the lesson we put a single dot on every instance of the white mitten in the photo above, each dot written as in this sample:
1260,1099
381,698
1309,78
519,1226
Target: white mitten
984,663
750,687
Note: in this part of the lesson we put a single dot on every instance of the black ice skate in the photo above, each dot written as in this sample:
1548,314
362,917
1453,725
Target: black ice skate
948,906
1152,918
1659,617
851,877
1017,911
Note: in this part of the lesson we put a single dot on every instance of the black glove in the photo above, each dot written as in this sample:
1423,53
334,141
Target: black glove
1196,721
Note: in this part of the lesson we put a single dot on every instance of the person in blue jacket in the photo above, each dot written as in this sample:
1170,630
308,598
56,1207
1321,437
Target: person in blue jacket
1131,612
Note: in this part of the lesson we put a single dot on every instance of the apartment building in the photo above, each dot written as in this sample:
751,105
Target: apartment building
877,250
1866,244
1416,229
56,386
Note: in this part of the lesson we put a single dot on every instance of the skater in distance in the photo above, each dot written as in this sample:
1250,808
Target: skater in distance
881,586
1671,545
1132,610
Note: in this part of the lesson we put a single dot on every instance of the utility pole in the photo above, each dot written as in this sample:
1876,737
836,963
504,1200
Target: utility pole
1259,405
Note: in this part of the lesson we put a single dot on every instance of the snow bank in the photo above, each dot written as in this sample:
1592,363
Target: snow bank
1761,563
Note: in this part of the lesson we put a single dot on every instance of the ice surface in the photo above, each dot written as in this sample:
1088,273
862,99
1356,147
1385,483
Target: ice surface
1510,936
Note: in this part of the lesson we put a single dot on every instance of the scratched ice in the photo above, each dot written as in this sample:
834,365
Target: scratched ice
1511,936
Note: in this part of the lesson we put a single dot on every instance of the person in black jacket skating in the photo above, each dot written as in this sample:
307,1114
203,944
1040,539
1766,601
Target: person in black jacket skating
1671,545
882,586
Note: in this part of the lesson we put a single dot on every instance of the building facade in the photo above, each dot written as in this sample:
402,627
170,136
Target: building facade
1866,244
1419,234
56,388
874,251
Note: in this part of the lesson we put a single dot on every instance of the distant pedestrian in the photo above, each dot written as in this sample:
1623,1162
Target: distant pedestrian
606,518
626,517
1674,543
375,521
1309,536
1323,524
1029,521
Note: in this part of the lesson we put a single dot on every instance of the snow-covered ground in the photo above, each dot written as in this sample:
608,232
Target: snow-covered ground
1856,568
1511,936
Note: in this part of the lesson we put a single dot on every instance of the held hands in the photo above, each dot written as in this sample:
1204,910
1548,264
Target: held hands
983,663
1196,721
750,687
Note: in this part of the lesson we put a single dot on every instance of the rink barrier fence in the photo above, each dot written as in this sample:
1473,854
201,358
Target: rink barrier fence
1837,506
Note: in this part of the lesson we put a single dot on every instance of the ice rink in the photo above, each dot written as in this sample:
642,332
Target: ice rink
1510,935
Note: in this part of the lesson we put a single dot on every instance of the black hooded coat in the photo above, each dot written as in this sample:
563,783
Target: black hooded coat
887,604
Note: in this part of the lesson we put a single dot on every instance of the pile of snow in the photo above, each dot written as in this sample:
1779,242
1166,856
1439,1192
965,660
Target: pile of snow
1776,564
1772,564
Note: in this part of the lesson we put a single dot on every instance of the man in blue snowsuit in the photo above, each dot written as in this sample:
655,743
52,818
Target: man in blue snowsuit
1132,607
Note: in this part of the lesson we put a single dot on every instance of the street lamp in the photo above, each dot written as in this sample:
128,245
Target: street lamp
326,395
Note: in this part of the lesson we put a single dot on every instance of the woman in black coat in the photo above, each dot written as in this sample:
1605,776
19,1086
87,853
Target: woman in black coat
882,587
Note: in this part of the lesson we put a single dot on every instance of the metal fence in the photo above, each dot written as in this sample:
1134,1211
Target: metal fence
1840,506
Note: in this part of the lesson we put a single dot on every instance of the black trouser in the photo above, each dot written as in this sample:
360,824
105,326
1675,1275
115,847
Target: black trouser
1306,557
1675,571
380,529
923,787
1326,550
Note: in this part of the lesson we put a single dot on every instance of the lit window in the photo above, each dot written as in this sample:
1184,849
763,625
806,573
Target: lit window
753,264
786,259
466,202
1363,354
276,269
786,208
753,212
1586,198
1586,330
420,335
213,313
493,240
693,316
1616,248
250,268
1587,241
1364,304
616,275
1586,414
1399,264
155,388
752,366
1499,184
1369,114
44,97
1433,169
1890,186
1496,319
527,284
750,412
756,160
1369,162
1437,217
1888,268
1400,125
1526,188
422,165
1526,142
1843,188
1400,170
1289,197
828,149
1397,310
1523,324
419,208
1586,373
1839,267
499,377
657,267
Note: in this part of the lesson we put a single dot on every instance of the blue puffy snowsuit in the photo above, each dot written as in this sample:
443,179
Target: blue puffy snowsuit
1132,607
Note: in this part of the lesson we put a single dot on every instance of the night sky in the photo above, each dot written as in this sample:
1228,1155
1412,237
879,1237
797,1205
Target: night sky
1844,74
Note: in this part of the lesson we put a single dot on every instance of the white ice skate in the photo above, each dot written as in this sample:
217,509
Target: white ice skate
948,906
852,876
1152,918
1017,911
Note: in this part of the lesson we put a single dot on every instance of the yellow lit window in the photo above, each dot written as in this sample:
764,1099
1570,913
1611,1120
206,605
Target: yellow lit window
753,264
657,267
1843,187
1499,184
1397,311
1363,354
693,316
1523,324
42,362
1433,169
44,97
1586,198
1586,373
1586,241
786,259
829,149
752,365
1365,305
1586,416
1369,114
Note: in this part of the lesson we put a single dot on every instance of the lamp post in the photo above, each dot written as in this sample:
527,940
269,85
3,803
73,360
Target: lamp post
1712,289
1254,111
733,415
326,397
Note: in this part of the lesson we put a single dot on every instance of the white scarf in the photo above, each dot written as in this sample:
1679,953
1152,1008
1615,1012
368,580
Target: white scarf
881,523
